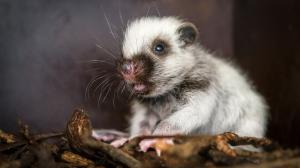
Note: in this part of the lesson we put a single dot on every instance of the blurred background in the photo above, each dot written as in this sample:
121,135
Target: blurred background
46,46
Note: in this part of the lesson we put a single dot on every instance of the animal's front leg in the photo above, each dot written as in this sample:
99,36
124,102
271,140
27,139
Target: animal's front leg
142,121
143,125
163,128
194,115
184,122
166,127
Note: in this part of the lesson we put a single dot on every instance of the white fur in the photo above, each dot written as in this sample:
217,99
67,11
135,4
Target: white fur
244,112
141,32
137,118
138,39
230,103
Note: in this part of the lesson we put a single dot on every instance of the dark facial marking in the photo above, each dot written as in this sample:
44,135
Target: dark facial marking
143,68
188,85
146,64
157,101
160,47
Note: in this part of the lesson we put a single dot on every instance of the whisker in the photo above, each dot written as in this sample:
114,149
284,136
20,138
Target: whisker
124,87
100,61
97,77
94,69
157,10
106,50
102,89
89,85
149,7
105,76
118,88
108,91
109,26
100,95
121,17
104,82
131,93
116,91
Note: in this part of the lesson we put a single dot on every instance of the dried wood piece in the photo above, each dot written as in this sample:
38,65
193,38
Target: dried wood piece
79,134
10,164
235,140
22,143
76,160
33,138
31,150
40,137
6,137
43,156
277,154
5,147
221,143
294,162
186,146
24,130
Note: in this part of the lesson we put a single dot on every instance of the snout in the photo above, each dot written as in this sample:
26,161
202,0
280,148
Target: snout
129,70
137,73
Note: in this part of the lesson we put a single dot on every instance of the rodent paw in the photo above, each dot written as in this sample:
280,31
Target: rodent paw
158,144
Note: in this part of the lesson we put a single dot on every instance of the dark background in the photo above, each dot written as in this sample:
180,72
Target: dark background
45,46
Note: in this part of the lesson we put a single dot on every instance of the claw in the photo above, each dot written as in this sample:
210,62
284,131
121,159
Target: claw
158,144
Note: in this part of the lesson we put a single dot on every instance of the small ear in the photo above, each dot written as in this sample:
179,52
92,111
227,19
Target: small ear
187,33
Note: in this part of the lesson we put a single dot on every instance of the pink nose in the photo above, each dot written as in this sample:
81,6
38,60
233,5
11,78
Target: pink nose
128,70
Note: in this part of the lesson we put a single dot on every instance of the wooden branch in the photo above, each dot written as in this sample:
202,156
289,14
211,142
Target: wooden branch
76,160
79,131
40,137
7,138
79,149
295,162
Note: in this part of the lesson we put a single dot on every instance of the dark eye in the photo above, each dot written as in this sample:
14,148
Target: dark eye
159,48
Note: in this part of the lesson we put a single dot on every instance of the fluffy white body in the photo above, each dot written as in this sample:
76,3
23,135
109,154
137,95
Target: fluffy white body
195,92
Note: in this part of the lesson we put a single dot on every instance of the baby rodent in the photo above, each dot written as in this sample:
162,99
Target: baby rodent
180,88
